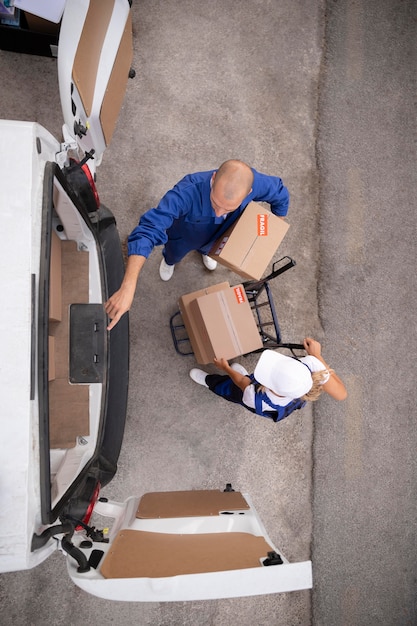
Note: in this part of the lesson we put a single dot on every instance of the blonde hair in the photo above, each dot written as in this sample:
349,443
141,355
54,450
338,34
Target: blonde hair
318,379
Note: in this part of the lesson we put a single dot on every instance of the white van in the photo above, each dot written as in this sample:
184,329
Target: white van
64,377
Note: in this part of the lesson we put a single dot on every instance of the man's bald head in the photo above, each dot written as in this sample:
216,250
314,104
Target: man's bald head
231,184
236,178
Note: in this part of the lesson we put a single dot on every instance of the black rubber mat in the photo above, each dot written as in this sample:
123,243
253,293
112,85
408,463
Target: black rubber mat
87,343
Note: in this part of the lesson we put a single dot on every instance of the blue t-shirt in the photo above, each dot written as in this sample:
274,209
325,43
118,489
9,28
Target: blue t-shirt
185,215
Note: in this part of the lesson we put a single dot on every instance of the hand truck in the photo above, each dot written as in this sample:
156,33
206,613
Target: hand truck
262,304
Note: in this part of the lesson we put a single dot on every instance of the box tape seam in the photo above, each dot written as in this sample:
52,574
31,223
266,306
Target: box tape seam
229,323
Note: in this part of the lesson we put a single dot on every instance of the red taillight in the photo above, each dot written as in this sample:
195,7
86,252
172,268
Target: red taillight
90,508
87,172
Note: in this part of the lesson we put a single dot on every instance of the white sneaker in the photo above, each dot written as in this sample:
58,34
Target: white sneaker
209,263
198,376
165,270
239,368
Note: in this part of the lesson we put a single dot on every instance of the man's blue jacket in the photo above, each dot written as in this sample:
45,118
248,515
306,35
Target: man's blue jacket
184,219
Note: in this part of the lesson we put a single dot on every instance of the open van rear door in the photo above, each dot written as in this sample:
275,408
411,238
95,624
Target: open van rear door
183,545
94,61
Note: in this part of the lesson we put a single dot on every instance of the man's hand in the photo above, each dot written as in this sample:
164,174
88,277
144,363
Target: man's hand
116,306
121,301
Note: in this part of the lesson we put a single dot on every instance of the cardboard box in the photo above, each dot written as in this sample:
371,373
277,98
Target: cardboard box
190,324
55,280
220,323
248,246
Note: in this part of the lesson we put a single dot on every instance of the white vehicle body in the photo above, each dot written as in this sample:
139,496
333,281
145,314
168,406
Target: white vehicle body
21,202
62,245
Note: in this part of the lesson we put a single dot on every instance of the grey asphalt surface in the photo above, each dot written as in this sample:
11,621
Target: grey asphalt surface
321,94
365,504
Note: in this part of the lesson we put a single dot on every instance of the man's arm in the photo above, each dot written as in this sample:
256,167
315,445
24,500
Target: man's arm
271,189
154,223
150,232
122,299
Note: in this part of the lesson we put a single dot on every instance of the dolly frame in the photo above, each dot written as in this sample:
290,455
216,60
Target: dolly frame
259,296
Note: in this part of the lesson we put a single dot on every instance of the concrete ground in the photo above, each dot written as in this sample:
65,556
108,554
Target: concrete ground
250,80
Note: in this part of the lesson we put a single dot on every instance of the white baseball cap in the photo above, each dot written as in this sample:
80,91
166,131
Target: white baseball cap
283,375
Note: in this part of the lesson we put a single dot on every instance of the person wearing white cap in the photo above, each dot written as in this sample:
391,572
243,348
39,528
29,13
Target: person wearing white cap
279,385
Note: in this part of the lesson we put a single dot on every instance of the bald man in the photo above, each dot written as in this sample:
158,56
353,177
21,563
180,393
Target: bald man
191,216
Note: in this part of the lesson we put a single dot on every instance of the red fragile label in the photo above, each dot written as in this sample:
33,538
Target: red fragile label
240,295
262,224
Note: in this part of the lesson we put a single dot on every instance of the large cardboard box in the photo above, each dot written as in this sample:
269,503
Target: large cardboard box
190,324
248,246
220,323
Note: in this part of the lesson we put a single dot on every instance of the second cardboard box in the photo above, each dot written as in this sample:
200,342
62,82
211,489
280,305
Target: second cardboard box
220,323
249,245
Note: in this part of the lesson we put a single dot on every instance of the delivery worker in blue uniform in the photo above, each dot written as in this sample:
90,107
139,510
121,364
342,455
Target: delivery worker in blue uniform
191,216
